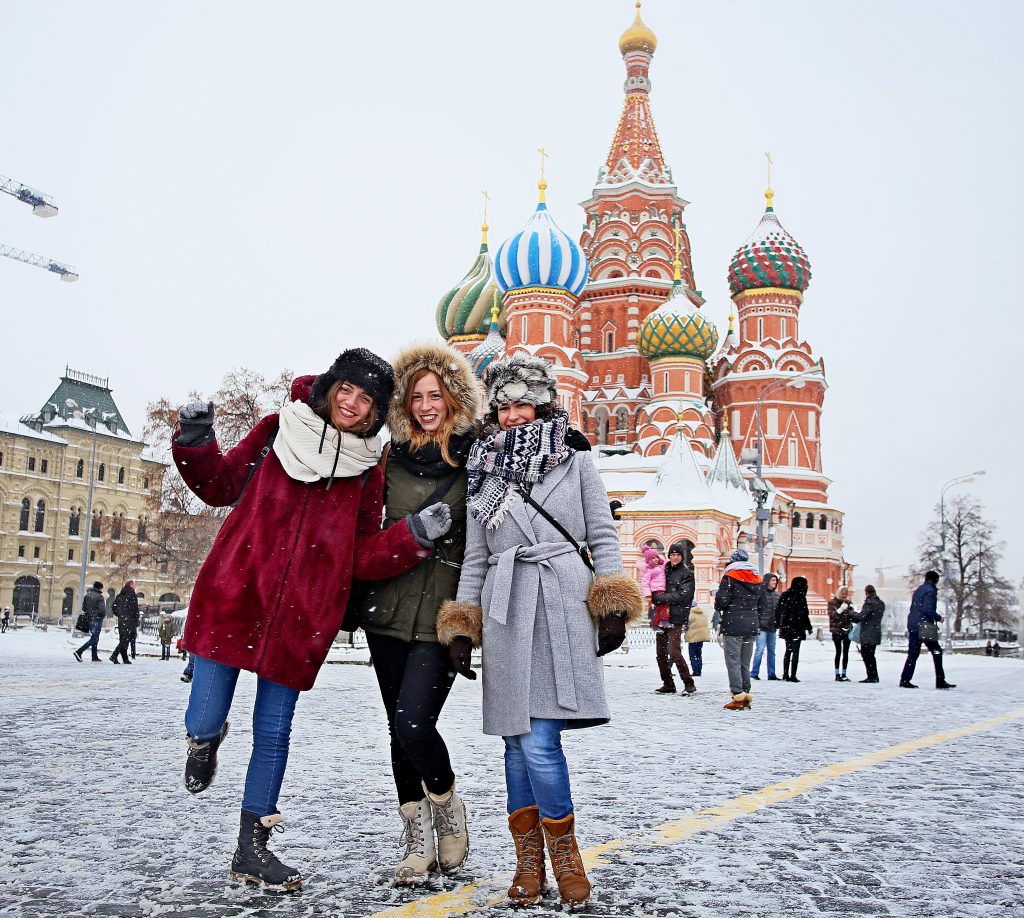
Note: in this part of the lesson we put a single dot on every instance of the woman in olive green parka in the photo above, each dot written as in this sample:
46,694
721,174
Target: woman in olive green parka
433,424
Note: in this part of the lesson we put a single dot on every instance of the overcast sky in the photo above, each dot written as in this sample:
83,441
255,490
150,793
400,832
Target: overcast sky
266,184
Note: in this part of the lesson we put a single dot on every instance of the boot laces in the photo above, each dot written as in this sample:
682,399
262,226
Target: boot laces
563,857
260,837
412,837
531,850
445,822
199,751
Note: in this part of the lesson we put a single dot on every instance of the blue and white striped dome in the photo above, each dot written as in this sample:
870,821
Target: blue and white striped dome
540,255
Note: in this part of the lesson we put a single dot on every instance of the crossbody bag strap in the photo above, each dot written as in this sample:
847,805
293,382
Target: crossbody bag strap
439,492
580,549
256,464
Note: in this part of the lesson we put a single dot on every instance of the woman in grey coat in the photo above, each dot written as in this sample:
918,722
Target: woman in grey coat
529,598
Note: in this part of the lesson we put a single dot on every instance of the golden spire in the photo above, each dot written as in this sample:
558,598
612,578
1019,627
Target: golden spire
768,193
638,37
725,419
494,307
483,226
542,184
677,262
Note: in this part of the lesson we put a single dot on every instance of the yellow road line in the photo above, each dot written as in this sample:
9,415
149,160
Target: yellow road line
460,901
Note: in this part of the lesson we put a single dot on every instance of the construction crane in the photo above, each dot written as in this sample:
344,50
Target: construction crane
65,272
42,204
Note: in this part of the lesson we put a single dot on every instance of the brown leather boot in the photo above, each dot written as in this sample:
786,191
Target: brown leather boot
738,703
529,881
573,884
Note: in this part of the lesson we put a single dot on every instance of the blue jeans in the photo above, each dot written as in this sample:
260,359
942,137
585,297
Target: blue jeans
535,770
213,687
696,651
94,639
764,639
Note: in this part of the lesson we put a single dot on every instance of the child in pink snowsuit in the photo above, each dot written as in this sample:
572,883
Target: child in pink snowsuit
653,581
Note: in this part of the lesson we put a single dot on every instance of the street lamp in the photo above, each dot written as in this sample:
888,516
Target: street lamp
72,404
953,482
757,487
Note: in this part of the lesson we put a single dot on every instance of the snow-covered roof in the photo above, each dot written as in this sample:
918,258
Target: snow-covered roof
679,484
23,430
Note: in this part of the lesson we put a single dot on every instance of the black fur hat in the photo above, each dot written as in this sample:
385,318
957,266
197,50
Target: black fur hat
362,368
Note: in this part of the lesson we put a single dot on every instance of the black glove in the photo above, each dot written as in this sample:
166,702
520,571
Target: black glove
196,422
460,653
576,440
611,632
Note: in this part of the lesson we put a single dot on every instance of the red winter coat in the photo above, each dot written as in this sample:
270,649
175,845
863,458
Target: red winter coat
272,592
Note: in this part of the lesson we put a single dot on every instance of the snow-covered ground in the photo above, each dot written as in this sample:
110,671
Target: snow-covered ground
94,819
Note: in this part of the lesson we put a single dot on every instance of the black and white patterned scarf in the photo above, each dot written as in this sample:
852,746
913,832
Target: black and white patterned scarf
504,459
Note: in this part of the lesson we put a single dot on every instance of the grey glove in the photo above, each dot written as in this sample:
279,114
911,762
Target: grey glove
196,422
430,524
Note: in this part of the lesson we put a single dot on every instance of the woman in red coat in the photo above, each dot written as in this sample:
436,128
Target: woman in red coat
271,594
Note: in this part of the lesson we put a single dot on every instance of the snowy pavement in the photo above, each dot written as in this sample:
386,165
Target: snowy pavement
801,806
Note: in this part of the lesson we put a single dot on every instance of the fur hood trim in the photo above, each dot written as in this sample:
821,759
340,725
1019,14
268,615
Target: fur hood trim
615,593
451,368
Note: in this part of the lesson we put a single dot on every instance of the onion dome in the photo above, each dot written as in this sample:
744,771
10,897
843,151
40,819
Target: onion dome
638,37
490,349
769,258
677,328
464,310
541,255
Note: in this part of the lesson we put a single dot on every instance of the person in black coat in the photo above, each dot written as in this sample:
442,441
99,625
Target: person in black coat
678,596
794,625
737,599
768,625
870,620
94,609
126,611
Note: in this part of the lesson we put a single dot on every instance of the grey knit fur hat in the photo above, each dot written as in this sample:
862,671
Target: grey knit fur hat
520,378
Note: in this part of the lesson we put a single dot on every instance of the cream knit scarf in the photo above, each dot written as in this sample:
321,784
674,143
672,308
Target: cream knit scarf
310,450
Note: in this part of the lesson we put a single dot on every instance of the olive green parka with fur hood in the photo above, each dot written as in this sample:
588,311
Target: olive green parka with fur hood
406,606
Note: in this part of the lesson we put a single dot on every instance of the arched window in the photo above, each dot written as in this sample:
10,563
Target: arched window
26,596
609,341
120,475
823,522
68,603
169,597
75,522
140,532
94,531
796,520
102,473
26,512
115,527
40,515
145,483
622,418
656,545
810,521
614,274
80,469
602,431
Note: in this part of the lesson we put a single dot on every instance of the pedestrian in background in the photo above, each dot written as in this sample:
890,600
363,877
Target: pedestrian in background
126,611
698,633
768,625
166,635
678,586
94,609
5,621
923,628
839,624
543,608
737,600
870,620
716,624
794,625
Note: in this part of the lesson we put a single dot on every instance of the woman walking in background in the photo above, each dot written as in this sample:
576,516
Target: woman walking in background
839,625
272,592
432,422
794,625
528,595
870,620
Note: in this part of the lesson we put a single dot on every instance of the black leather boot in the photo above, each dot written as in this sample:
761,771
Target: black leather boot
201,762
255,863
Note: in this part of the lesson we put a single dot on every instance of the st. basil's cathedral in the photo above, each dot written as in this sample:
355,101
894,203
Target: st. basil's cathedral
672,408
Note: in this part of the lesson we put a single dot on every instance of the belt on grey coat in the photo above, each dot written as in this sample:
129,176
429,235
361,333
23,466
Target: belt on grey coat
551,594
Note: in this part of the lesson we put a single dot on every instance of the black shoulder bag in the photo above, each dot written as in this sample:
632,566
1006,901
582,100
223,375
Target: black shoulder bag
581,550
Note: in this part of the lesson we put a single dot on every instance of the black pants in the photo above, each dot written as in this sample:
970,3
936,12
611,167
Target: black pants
867,652
914,651
124,638
415,679
792,657
842,643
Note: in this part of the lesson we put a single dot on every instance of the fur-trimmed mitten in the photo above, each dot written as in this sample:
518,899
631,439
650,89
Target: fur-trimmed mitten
615,593
459,619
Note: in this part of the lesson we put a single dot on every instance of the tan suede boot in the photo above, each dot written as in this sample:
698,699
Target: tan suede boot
420,857
573,884
529,881
449,813
738,702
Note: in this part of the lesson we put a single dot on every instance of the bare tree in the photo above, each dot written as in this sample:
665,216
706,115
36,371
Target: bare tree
977,591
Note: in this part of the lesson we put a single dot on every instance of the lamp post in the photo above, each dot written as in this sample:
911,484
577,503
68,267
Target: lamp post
953,482
71,403
757,487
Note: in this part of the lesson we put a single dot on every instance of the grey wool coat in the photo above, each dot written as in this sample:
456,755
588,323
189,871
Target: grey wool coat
539,641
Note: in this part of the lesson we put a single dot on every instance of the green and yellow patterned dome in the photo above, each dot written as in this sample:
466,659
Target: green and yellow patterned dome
465,310
677,329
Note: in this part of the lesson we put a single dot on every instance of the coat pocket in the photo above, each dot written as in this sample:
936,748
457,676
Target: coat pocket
377,608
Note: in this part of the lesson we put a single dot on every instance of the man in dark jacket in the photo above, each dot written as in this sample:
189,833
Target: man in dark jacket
678,596
126,611
870,620
737,600
767,614
923,612
95,608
